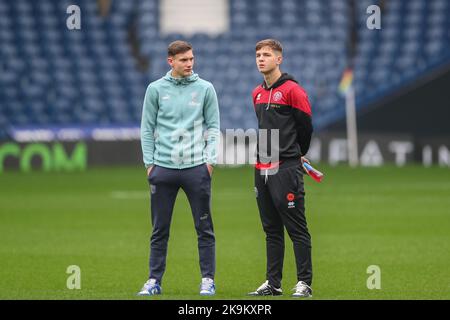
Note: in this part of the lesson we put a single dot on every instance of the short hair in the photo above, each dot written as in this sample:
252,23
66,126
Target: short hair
177,47
273,44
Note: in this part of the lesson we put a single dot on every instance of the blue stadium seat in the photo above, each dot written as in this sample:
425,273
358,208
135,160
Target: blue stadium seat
91,76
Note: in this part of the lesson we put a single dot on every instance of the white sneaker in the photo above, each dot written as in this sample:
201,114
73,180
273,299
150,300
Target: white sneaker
207,287
150,288
302,290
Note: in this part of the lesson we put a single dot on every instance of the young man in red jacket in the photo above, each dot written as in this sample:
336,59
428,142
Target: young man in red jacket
282,109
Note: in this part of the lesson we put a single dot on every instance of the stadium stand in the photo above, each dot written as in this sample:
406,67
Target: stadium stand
50,75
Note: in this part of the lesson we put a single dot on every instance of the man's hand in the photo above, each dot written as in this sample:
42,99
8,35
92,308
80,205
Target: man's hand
210,169
303,160
149,169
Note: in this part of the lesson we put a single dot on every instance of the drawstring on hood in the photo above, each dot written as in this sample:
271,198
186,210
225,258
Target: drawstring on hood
270,99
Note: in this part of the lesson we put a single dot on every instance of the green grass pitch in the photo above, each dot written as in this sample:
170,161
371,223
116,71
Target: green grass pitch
397,219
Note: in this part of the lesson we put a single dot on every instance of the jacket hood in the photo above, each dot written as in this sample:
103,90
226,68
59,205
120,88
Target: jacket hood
284,77
181,81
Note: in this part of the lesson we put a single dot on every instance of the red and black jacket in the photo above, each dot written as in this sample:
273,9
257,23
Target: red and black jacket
283,106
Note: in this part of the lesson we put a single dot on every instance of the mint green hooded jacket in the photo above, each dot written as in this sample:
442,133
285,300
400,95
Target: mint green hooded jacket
180,123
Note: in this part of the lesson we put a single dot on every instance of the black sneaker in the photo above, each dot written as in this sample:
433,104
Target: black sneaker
266,290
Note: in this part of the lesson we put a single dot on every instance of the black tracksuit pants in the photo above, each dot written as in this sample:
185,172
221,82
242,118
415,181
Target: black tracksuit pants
164,186
281,203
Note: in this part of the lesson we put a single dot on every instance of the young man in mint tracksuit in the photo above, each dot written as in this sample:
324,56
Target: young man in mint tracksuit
179,137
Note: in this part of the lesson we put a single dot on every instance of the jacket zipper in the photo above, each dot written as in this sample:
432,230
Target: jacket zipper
270,99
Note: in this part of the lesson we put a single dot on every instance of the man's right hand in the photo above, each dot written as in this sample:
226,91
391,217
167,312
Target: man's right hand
149,169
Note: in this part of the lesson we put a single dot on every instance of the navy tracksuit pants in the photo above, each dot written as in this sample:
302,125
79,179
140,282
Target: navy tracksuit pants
164,186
